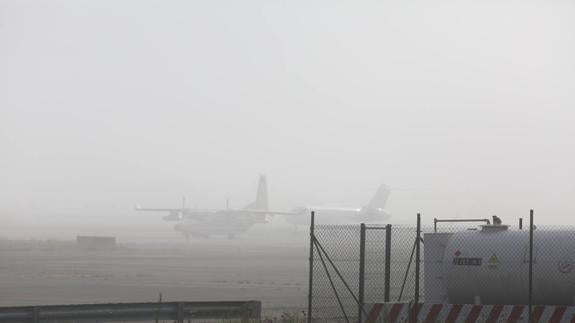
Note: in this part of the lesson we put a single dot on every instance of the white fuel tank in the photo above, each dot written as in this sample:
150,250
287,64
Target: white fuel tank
491,266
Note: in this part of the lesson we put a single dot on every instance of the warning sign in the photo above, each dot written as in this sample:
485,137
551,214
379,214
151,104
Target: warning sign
467,261
493,262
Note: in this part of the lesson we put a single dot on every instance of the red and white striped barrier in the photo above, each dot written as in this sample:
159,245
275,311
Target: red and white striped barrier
431,313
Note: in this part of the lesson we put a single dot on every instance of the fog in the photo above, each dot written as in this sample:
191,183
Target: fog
464,109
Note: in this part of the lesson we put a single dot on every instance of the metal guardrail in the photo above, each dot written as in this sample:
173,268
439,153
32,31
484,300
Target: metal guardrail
177,311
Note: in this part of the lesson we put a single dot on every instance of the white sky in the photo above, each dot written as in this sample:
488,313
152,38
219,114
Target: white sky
465,108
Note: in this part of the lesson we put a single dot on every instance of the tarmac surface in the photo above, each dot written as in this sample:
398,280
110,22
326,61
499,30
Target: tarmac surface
46,272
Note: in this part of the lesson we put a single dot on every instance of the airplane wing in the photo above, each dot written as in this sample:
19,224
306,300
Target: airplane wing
182,213
179,214
268,212
174,210
138,208
334,209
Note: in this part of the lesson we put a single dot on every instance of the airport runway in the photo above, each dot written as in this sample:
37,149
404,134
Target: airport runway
56,272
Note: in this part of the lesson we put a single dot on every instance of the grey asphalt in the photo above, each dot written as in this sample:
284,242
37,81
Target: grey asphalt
58,272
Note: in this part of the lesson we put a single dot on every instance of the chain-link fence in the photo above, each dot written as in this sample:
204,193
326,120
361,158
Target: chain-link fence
375,276
476,261
335,255
353,266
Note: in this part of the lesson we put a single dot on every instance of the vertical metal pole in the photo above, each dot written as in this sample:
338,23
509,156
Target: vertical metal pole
387,279
180,314
36,314
310,277
361,289
520,223
530,262
158,309
435,225
417,258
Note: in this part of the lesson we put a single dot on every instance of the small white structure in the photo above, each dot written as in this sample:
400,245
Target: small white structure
96,242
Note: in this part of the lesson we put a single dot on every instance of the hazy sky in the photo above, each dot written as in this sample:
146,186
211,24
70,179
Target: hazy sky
465,108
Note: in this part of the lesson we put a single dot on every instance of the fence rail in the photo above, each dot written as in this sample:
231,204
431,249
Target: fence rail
459,263
177,311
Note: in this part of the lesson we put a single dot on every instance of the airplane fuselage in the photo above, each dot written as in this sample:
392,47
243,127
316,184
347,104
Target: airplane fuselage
325,215
219,224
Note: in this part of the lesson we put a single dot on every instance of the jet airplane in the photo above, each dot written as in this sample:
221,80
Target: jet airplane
372,212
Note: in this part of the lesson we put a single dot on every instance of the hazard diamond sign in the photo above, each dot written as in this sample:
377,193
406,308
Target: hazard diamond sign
493,262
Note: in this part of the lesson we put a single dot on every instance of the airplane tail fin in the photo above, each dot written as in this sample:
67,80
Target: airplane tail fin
379,200
261,202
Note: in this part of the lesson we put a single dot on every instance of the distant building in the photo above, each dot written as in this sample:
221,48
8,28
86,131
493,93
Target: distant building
96,242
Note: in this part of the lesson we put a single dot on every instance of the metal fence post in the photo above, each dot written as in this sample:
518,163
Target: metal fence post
530,262
520,223
387,279
361,288
310,277
180,315
36,314
417,258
